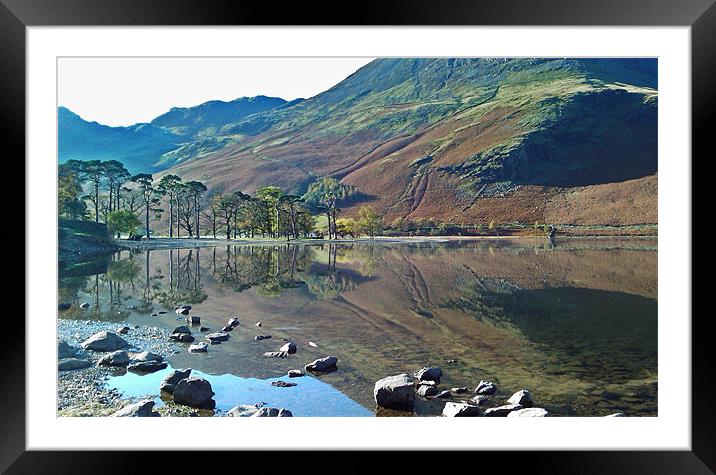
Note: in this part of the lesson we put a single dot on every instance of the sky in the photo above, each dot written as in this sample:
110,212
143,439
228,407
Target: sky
126,91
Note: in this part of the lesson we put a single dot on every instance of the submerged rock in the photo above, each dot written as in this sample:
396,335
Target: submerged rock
289,348
522,397
69,364
322,364
194,392
140,409
63,306
146,366
395,392
486,388
460,409
282,384
529,412
429,374
182,329
104,341
502,411
217,336
116,358
200,347
173,379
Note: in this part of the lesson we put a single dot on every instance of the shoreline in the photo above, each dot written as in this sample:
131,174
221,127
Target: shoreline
179,243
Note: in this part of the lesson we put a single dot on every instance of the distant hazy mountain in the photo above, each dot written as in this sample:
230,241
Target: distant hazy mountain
467,140
179,134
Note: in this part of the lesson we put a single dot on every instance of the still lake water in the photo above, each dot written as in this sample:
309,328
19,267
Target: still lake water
575,323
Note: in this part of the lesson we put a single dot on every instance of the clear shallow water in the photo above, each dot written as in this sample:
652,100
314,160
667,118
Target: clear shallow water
576,323
310,396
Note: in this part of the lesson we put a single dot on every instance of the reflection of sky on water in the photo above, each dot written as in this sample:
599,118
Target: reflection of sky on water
310,396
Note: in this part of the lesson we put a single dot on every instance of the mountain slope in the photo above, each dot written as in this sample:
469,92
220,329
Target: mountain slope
469,140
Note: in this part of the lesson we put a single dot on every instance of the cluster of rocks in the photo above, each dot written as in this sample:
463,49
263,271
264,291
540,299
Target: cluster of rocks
400,391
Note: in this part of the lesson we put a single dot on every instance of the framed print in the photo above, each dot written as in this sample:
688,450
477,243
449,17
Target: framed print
360,230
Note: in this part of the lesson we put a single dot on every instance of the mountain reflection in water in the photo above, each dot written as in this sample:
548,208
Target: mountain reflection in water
576,324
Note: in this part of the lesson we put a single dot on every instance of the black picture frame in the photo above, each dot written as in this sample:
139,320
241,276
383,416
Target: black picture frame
700,15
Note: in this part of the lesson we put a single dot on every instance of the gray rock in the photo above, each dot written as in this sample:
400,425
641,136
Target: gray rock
84,305
425,390
529,412
69,364
204,329
182,329
64,350
295,373
194,392
194,320
272,412
258,324
276,354
322,364
486,388
460,409
502,411
146,366
173,379
123,330
146,356
522,397
217,336
282,384
139,409
116,358
480,400
227,328
289,348
445,394
181,337
395,392
104,341
200,347
429,374
242,410
460,390
262,337
234,322
63,306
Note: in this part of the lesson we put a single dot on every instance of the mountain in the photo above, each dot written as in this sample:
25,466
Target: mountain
181,133
469,140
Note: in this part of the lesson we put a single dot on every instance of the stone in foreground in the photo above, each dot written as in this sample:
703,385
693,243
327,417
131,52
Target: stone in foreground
194,392
322,364
146,356
426,391
173,378
105,341
139,409
146,366
200,347
523,398
289,348
529,412
460,409
395,392
486,388
116,358
272,412
69,364
502,411
429,374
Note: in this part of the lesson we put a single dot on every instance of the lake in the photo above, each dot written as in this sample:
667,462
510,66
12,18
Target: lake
575,323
